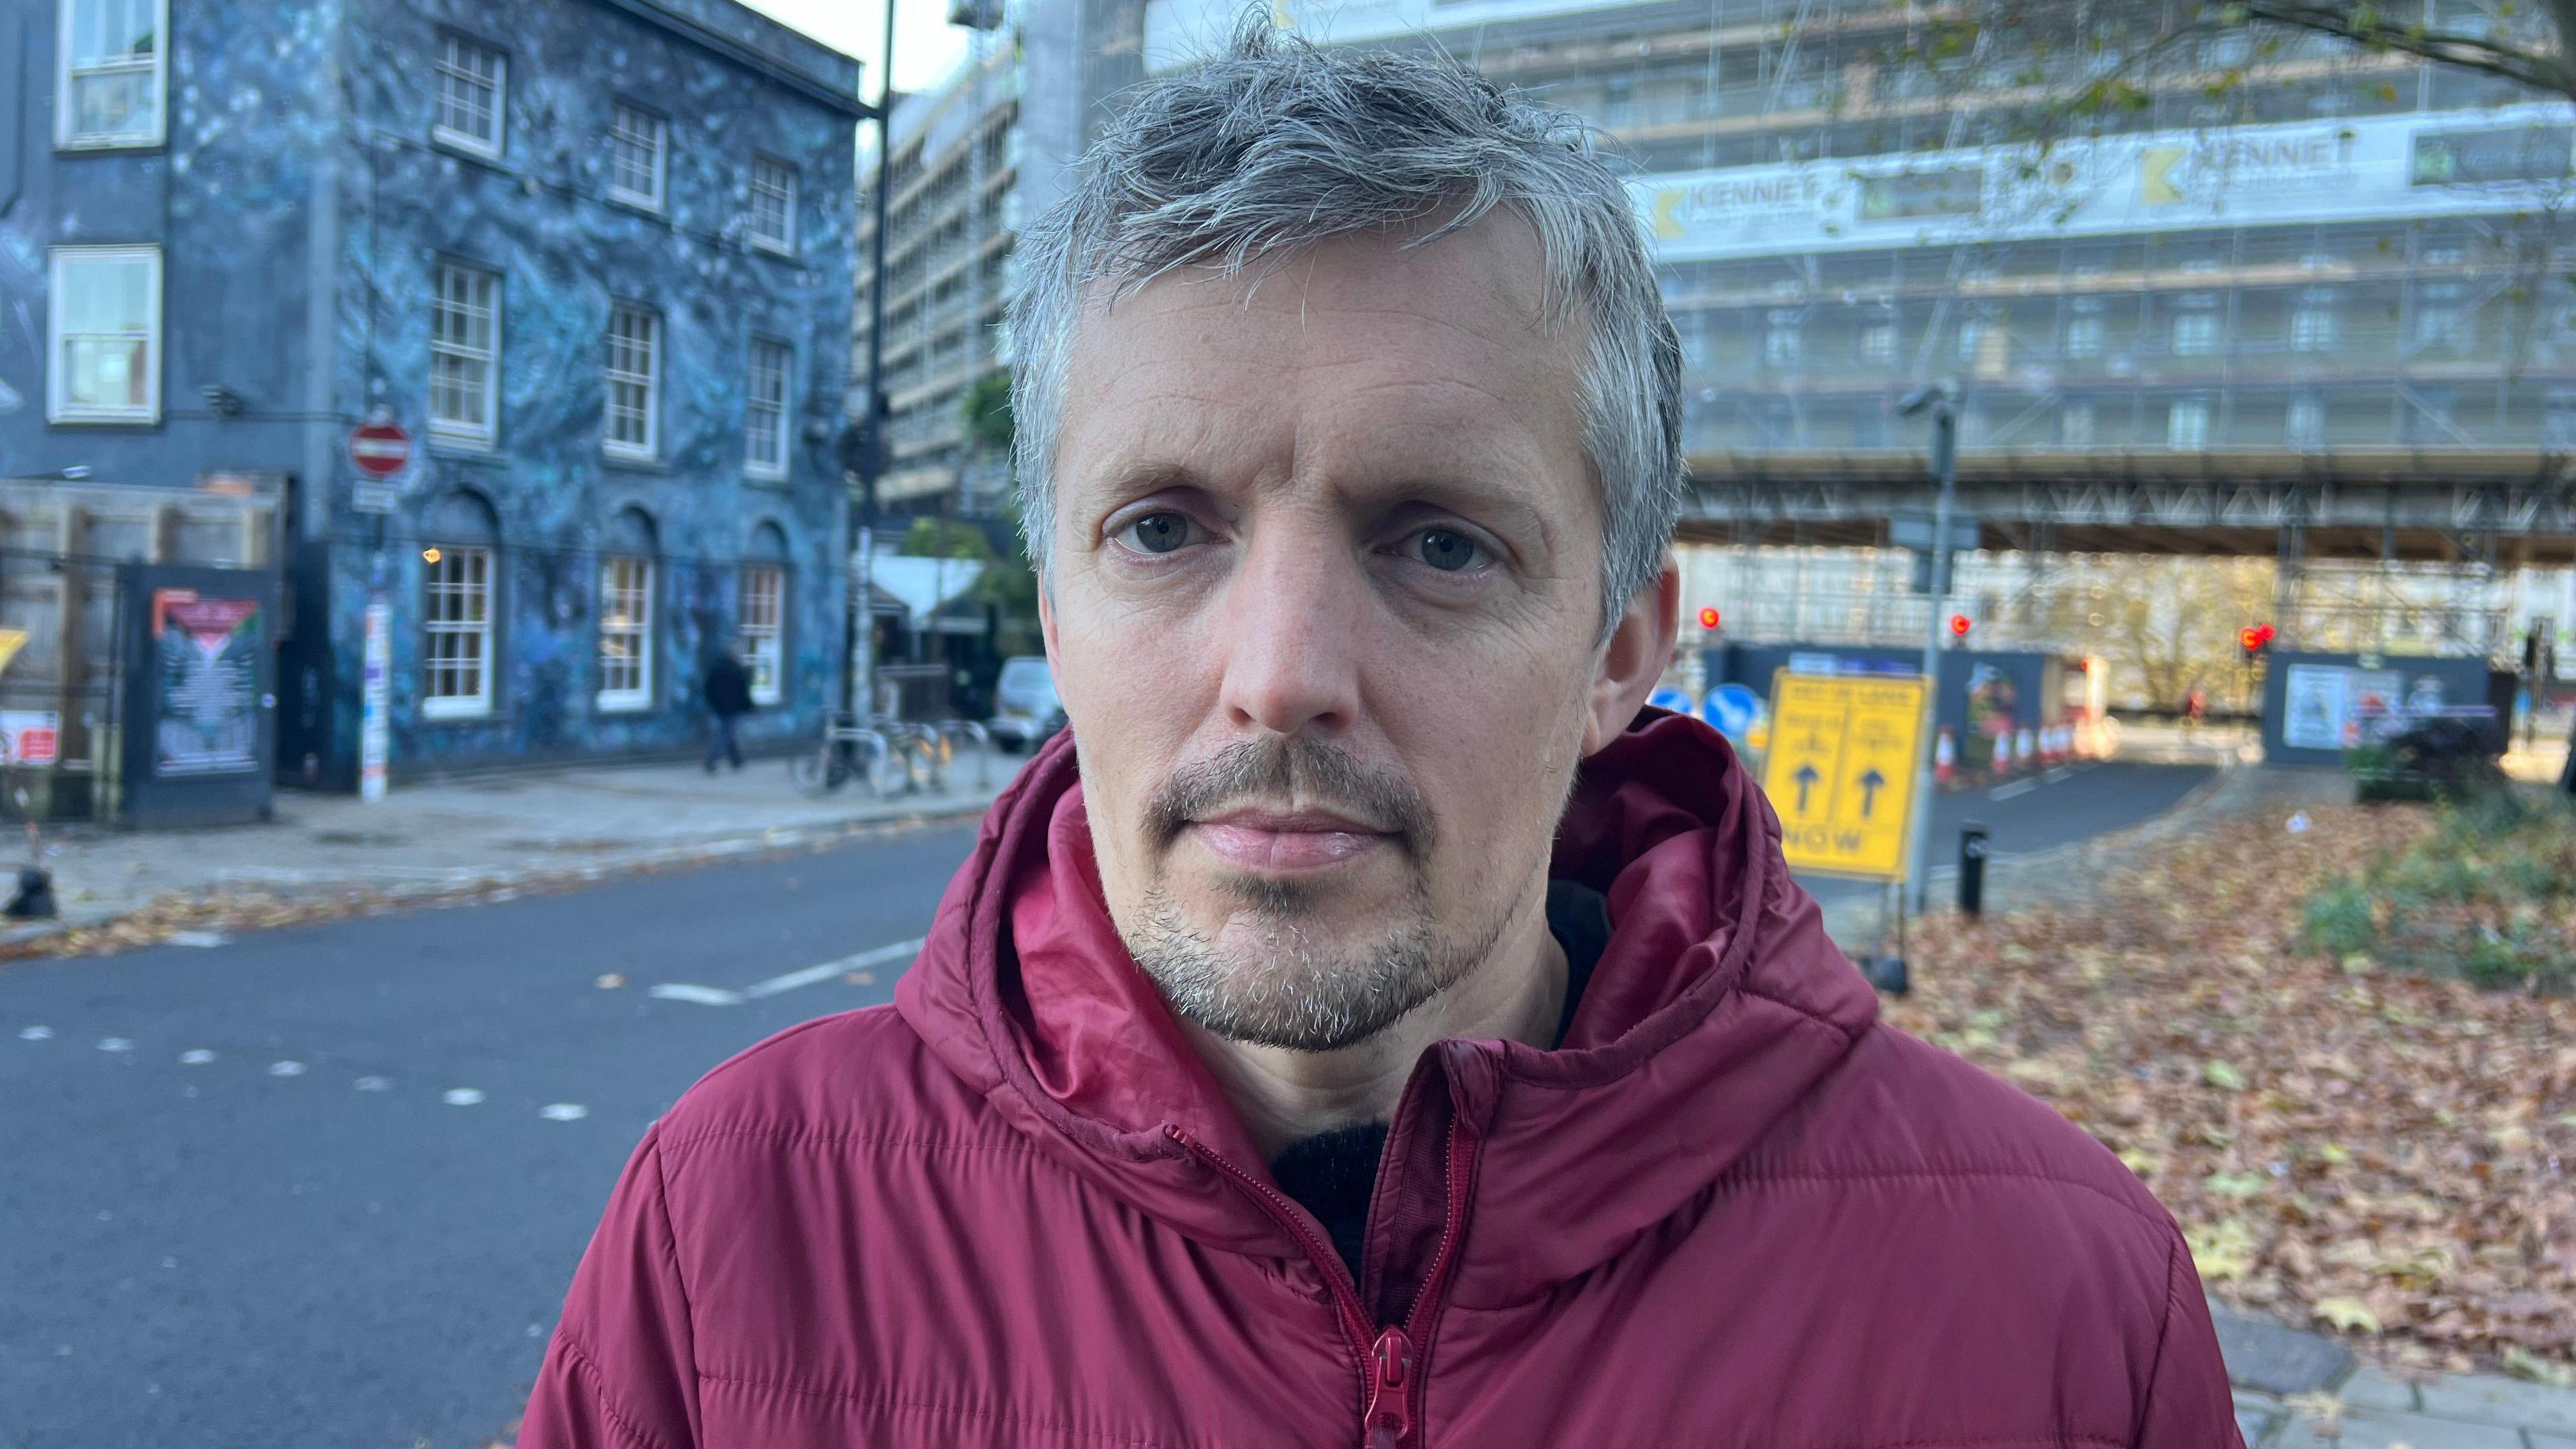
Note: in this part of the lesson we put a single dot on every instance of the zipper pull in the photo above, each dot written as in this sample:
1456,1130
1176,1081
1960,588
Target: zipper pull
1389,1420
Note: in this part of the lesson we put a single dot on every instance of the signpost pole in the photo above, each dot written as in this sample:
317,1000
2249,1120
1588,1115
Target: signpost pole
374,729
1945,467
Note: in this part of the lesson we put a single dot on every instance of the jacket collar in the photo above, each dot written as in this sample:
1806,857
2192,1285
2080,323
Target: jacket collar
1717,1004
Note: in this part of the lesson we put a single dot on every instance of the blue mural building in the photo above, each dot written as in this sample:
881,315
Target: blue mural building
591,259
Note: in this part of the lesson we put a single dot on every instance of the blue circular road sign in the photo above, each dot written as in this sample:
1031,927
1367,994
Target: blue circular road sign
1732,709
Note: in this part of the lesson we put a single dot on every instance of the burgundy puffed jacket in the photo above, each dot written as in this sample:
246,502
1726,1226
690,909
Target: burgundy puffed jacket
1729,1210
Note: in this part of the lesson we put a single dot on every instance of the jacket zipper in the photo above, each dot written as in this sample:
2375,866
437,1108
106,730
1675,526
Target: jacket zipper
1346,1294
1391,1364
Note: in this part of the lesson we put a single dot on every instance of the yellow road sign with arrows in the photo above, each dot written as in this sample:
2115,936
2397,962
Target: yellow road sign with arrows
1840,770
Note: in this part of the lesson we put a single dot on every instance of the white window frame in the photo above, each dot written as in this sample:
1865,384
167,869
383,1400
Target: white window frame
452,49
2086,333
649,380
2078,423
2316,325
1784,339
637,627
58,405
783,241
621,134
476,586
2303,423
456,430
761,630
2191,439
67,133
2195,334
775,426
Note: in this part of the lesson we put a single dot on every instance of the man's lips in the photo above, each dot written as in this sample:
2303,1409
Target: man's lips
1277,842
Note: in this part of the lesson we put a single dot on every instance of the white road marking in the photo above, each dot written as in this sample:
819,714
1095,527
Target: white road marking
286,1069
2017,787
702,995
374,1084
35,1033
2055,773
204,940
115,1044
563,1111
195,1057
462,1097
829,969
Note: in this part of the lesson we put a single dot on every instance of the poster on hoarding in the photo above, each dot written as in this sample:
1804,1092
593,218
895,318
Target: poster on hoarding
30,736
2313,706
205,655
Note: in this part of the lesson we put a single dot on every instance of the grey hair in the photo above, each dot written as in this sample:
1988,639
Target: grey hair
1276,144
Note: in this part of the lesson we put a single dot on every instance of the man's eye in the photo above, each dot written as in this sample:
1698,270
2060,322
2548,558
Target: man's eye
1447,550
1158,532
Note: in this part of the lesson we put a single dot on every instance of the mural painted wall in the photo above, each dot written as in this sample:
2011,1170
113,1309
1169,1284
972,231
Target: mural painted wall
304,205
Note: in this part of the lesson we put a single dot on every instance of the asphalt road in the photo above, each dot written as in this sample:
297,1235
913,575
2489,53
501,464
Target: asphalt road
302,1241
2058,807
324,1186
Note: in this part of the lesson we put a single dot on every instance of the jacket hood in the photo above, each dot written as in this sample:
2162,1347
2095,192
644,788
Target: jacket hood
1716,1005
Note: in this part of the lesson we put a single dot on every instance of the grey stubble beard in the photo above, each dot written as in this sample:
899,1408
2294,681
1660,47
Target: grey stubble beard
1284,988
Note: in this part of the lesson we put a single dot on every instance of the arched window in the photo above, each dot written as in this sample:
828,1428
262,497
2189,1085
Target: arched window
456,579
627,549
760,631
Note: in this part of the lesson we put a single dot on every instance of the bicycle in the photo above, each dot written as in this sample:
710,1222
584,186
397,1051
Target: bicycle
893,756
837,759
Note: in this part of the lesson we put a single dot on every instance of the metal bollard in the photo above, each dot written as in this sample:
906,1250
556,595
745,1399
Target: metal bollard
1972,869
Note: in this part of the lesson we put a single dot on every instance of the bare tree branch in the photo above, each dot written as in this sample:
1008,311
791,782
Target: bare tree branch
2531,65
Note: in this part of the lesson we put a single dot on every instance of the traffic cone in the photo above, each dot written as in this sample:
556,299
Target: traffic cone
2003,753
2021,749
1945,757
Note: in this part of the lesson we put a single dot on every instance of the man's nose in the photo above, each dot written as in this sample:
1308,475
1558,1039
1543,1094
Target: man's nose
1294,610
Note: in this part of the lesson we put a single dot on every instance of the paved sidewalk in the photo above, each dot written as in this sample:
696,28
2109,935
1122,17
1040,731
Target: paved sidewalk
2298,1390
472,836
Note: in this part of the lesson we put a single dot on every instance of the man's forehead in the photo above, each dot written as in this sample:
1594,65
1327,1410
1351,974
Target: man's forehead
1450,336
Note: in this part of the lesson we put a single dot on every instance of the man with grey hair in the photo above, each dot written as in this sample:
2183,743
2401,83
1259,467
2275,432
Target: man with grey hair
1368,1024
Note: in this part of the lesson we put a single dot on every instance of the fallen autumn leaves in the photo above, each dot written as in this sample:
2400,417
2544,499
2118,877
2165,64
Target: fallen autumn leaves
2373,1153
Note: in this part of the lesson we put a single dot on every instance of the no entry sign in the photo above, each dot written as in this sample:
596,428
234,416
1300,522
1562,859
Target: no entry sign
379,447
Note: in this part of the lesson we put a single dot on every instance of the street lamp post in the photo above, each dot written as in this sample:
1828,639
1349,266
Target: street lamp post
1938,398
872,453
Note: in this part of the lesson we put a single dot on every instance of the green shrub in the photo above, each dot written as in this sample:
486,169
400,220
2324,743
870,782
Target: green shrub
2492,961
2339,921
2487,897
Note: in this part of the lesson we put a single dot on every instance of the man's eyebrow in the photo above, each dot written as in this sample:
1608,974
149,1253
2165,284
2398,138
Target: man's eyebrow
1137,478
1504,505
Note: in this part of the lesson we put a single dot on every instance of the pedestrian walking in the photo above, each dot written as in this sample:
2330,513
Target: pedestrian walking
727,691
1364,1026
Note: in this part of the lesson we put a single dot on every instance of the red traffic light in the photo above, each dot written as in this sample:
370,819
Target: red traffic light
1959,626
2255,638
1708,618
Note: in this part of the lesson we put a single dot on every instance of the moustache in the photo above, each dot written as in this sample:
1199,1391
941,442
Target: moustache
1281,768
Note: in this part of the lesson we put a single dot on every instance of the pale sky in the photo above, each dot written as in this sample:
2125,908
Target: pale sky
926,46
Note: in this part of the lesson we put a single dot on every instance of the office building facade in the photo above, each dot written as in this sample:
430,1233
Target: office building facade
973,159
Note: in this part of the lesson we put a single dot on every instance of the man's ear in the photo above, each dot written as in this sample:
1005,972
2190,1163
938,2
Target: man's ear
1639,652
